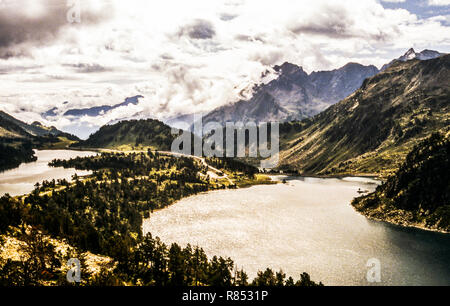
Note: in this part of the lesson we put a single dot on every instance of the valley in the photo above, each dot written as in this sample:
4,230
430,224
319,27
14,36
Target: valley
122,199
224,152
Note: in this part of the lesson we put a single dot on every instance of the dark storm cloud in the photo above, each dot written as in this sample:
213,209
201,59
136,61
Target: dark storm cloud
17,29
199,29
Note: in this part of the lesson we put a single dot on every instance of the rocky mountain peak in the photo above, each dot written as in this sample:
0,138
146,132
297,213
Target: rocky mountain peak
410,54
288,69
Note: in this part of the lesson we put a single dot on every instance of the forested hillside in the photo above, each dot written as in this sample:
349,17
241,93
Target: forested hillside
419,193
103,214
134,134
18,139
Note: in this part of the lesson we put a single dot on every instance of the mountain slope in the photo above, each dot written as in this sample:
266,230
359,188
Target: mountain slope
12,154
9,129
17,140
34,129
294,95
419,193
372,130
131,134
338,84
15,144
261,108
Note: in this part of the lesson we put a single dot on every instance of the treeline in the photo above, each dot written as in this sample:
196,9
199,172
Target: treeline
149,263
153,263
233,165
13,153
103,214
421,187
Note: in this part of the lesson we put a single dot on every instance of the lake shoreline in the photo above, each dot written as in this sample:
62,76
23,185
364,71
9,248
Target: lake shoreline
402,223
307,225
21,181
336,176
273,182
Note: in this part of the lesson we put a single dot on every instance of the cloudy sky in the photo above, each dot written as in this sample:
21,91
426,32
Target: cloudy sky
189,56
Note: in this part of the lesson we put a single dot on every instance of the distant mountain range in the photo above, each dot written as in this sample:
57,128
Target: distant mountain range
368,133
294,94
288,94
291,94
92,111
373,129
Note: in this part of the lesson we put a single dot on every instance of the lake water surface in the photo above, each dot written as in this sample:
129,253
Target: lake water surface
307,225
21,180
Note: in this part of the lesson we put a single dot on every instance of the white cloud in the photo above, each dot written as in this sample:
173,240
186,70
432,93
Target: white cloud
187,56
438,2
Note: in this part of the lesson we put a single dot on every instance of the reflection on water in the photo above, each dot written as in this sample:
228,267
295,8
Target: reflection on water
22,179
305,225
